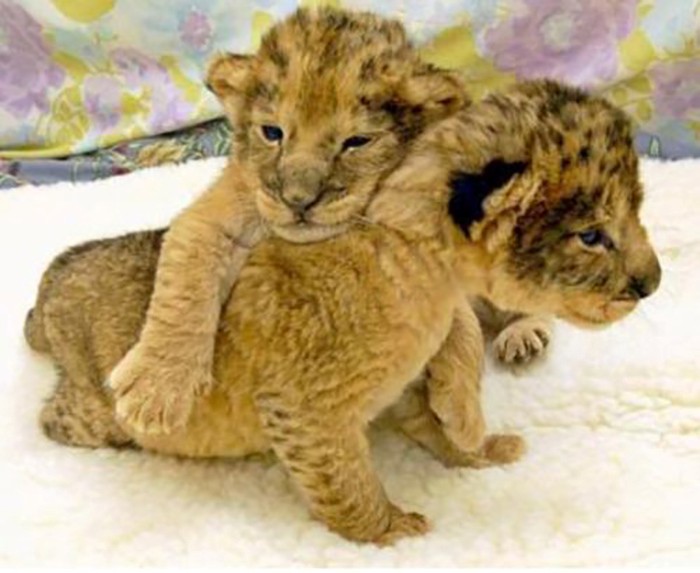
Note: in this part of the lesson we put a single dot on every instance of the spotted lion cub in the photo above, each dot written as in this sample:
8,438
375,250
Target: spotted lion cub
321,114
529,199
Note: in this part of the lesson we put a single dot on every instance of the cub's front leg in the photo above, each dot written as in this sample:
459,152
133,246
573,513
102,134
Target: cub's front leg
443,411
156,383
327,454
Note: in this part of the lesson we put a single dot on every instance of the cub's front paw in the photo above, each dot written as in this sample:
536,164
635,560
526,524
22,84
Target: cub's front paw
523,340
153,395
403,525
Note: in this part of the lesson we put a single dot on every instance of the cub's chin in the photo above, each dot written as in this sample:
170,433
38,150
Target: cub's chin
308,232
597,318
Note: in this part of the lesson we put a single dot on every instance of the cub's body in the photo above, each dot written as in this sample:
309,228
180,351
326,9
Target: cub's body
300,315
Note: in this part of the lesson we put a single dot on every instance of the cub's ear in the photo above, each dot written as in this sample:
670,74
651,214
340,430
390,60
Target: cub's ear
434,93
470,190
228,74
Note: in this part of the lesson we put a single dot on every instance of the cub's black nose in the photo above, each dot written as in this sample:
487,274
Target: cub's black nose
641,287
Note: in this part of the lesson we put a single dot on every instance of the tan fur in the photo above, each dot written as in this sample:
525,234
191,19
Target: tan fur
318,340
322,77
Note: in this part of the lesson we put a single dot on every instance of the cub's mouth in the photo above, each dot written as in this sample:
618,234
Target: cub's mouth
307,231
600,317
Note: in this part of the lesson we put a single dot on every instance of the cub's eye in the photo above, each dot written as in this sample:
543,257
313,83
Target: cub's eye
272,133
355,142
595,237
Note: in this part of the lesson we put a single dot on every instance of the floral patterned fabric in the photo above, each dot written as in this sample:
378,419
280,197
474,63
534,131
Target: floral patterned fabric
81,75
210,139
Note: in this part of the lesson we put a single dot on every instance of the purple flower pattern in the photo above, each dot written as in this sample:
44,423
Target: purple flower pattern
27,73
677,89
196,31
570,40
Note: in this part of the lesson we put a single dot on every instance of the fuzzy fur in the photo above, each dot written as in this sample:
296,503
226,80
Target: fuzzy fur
318,340
320,78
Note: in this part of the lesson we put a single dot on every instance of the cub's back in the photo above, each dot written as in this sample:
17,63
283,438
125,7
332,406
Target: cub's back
98,291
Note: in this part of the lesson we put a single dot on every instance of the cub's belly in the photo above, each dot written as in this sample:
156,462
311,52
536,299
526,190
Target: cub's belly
221,425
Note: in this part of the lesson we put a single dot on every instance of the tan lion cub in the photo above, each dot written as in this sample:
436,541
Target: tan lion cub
317,340
321,114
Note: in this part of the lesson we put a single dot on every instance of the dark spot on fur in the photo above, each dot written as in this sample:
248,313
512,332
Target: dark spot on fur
279,58
618,132
557,138
613,168
279,414
559,95
392,107
339,20
262,91
368,69
597,194
584,154
469,190
565,163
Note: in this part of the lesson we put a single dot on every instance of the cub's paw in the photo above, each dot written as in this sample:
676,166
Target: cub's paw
403,525
523,340
501,449
495,450
154,396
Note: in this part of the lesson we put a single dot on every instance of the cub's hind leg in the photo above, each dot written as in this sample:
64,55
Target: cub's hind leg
80,415
414,417
80,412
442,411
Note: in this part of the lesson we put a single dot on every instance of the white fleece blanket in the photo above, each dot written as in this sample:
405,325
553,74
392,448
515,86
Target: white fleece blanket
612,419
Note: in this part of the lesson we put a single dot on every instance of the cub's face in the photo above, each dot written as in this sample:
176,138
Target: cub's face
584,252
324,110
576,247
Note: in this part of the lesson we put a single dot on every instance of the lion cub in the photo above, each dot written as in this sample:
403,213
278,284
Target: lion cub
321,114
318,340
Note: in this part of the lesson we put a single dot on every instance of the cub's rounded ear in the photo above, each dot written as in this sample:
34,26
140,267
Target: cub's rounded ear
228,74
471,193
434,93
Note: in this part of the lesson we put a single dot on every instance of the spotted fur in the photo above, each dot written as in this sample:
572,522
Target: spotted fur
325,109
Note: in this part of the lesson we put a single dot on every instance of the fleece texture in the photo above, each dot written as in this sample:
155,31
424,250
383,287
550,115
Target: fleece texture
612,419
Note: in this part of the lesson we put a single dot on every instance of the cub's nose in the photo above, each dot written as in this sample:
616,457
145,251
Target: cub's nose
640,288
643,286
298,200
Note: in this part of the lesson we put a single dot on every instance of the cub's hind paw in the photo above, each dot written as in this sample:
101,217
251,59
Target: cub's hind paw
84,428
523,340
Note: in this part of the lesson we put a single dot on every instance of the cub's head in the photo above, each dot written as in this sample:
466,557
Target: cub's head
561,225
324,110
